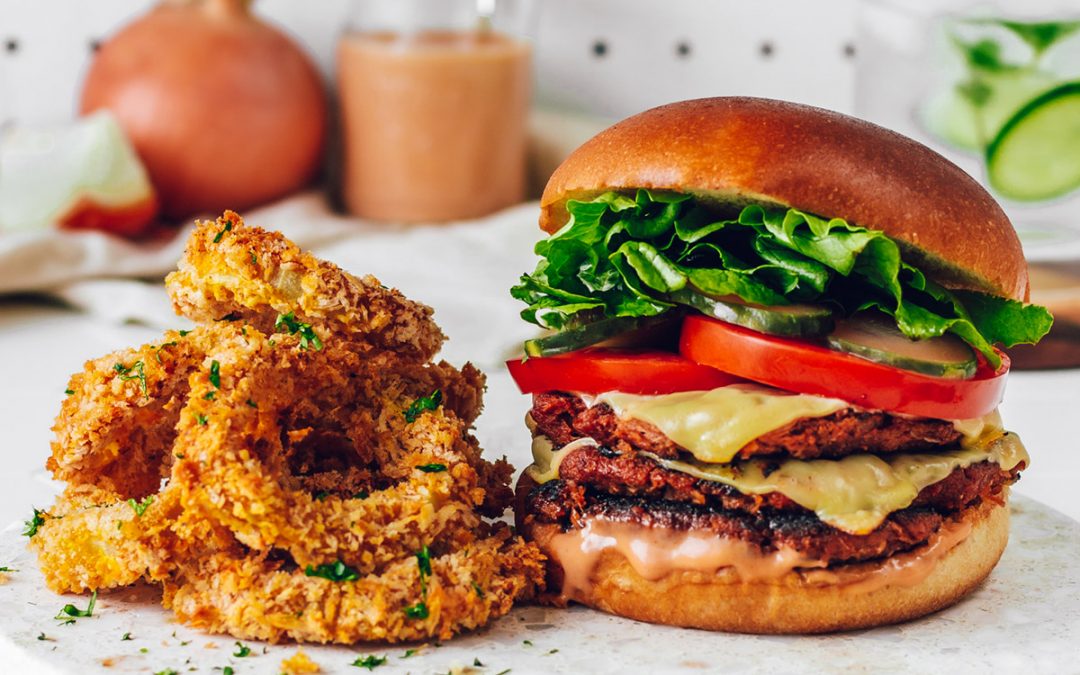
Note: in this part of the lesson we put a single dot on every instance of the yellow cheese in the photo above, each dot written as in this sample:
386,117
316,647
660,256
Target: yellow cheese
714,425
546,459
854,493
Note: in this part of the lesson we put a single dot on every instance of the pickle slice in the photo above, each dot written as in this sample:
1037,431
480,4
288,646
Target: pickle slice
878,339
784,320
586,335
1036,155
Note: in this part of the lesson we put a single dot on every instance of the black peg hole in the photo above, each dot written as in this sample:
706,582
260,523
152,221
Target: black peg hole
683,50
766,50
94,46
11,45
599,49
849,50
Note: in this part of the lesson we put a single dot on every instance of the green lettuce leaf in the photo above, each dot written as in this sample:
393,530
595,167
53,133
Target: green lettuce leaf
623,256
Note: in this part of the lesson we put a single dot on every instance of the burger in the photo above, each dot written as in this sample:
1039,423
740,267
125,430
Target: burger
766,398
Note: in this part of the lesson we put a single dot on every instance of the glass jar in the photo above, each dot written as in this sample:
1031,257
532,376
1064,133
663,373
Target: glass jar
434,99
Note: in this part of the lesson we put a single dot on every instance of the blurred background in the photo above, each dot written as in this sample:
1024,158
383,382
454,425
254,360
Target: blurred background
409,138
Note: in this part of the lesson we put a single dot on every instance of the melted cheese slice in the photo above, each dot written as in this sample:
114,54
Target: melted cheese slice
855,493
713,425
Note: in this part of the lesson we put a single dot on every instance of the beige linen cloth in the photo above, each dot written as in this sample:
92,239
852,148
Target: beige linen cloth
463,269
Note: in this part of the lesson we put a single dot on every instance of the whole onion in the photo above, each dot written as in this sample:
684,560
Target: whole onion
224,110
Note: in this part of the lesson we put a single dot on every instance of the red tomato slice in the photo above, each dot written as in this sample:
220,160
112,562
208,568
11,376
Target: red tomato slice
595,371
807,368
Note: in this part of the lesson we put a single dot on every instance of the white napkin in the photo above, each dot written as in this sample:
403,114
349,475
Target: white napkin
464,269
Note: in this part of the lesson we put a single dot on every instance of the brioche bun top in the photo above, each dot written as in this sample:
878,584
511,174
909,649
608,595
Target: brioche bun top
734,150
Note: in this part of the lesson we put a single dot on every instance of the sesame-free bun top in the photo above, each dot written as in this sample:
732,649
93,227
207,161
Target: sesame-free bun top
734,150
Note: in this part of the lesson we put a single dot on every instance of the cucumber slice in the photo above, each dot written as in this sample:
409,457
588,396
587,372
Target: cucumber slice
785,320
1036,155
878,339
584,335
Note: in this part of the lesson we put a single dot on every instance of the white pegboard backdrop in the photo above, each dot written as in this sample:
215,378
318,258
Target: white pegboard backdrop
606,57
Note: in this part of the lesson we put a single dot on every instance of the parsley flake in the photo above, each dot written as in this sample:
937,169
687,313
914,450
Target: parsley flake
254,258
479,591
140,507
167,671
184,333
69,392
34,523
423,561
408,653
201,419
133,372
227,670
476,662
209,396
125,637
504,672
417,611
363,494
371,662
288,323
434,467
527,643
157,350
222,231
70,612
252,404
430,402
5,568
337,571
43,636
321,496
242,650
215,374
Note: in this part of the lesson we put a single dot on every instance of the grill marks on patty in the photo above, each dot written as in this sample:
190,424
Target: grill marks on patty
563,417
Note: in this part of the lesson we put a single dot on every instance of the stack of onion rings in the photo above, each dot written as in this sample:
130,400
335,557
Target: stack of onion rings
296,468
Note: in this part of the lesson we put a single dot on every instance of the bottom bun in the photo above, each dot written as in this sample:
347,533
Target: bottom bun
797,602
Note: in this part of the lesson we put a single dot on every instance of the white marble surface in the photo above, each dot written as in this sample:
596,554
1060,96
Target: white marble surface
1025,618
1022,618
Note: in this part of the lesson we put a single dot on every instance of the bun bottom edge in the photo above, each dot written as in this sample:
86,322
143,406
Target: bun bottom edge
788,605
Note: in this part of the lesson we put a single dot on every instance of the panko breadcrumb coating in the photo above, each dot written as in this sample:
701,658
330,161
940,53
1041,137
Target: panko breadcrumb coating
294,467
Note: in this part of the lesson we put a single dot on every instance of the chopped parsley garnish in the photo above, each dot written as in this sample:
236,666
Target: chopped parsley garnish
140,507
167,671
184,333
144,650
69,392
424,403
408,653
209,396
242,650
227,670
254,258
43,636
201,419
417,611
252,404
553,651
215,374
476,662
5,568
321,496
479,591
337,571
288,323
133,372
434,467
527,643
70,612
222,231
34,523
157,350
363,494
125,637
423,561
371,662
504,672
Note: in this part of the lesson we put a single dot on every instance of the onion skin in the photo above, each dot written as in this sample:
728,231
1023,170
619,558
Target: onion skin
224,110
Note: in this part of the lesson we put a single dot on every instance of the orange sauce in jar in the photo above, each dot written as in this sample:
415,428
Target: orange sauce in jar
434,123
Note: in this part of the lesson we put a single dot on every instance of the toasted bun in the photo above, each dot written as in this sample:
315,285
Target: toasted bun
724,602
739,150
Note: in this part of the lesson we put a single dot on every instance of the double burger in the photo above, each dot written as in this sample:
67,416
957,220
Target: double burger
766,398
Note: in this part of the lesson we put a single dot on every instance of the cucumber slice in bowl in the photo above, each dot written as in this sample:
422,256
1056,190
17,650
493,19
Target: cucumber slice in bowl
1036,155
878,339
783,320
619,331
